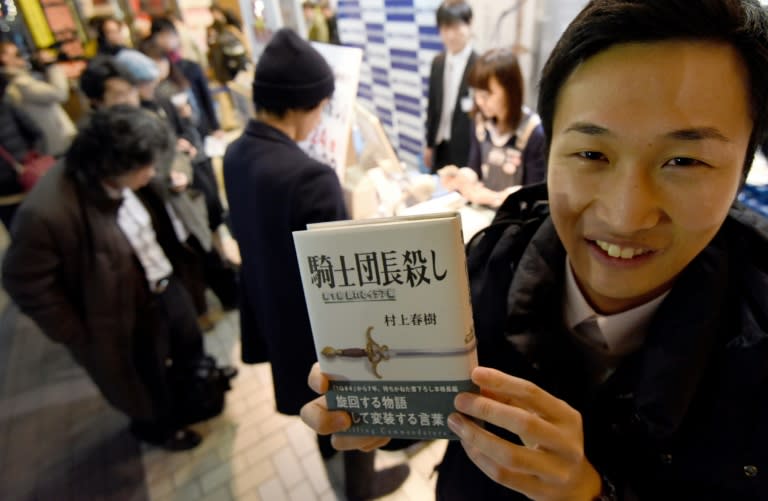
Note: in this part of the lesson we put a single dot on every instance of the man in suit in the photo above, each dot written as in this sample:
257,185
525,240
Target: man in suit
449,104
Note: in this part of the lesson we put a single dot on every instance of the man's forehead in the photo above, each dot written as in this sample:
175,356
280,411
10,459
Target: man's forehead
640,69
657,89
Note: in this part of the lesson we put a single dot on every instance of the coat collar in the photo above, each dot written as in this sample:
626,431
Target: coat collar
90,190
261,130
667,370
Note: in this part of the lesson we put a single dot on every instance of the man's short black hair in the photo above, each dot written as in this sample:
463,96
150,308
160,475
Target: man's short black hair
93,80
116,140
162,25
453,12
605,23
281,111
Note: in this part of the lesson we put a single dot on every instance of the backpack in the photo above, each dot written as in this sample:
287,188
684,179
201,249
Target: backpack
493,253
233,52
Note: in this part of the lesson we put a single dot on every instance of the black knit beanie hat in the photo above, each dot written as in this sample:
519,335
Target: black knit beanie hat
291,74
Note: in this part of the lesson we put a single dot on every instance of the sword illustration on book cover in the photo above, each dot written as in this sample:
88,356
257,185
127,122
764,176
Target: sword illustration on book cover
376,353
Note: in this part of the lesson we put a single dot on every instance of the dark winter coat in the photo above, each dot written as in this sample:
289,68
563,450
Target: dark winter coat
71,269
198,82
685,417
18,135
273,189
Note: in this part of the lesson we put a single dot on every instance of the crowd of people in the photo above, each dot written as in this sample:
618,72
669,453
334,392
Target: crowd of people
322,25
113,250
619,296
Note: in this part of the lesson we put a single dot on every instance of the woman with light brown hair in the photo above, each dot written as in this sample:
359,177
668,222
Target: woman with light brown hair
507,146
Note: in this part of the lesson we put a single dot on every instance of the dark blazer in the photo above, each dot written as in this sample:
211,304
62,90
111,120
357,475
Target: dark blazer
461,122
273,189
685,416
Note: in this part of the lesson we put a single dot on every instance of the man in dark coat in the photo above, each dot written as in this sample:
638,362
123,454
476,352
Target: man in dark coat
86,264
621,310
449,103
274,188
208,123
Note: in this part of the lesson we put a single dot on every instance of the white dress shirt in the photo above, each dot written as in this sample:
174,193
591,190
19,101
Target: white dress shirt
453,72
136,224
616,335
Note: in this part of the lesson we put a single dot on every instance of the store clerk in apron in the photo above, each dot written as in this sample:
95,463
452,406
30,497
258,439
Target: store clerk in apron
507,145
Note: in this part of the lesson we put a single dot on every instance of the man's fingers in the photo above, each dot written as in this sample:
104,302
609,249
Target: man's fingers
316,415
317,380
522,393
505,456
523,483
530,427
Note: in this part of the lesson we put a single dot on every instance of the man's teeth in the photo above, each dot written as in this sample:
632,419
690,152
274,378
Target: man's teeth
614,250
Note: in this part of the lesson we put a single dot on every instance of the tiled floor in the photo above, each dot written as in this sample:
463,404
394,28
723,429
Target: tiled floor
60,441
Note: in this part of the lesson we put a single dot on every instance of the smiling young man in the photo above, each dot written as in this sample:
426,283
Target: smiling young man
622,310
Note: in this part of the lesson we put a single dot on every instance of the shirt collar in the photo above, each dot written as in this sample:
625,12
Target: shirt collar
623,332
497,139
461,56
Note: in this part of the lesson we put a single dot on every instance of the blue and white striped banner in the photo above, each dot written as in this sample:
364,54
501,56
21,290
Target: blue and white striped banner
399,39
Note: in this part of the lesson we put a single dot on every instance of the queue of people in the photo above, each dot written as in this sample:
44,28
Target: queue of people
134,210
87,263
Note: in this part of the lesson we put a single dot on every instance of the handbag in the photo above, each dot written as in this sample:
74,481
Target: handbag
31,168
199,388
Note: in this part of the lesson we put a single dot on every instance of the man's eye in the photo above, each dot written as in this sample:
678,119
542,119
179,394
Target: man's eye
592,155
684,162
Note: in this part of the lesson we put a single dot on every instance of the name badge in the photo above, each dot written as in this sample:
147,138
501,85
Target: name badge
466,104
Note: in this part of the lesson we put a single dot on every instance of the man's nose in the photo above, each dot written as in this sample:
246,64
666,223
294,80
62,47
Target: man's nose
629,199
